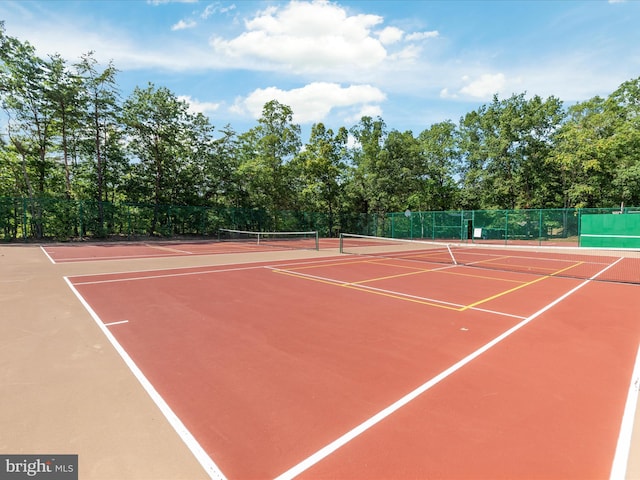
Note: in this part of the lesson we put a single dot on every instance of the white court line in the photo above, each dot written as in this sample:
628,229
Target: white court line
366,425
621,458
47,254
169,275
201,455
168,249
342,283
118,257
173,252
116,323
204,272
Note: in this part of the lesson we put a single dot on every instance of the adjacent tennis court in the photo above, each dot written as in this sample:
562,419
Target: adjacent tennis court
228,241
390,360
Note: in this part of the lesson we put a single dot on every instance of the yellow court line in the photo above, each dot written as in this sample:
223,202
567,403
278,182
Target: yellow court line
494,261
439,256
383,262
541,270
352,262
328,281
355,262
355,286
367,290
490,260
441,268
402,297
488,299
391,276
484,277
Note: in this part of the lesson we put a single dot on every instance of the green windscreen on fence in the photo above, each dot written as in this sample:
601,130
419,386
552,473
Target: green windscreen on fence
609,230
533,226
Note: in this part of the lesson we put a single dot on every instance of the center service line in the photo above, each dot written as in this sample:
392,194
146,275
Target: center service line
366,425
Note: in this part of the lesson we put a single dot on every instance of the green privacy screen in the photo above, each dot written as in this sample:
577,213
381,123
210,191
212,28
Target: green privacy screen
609,230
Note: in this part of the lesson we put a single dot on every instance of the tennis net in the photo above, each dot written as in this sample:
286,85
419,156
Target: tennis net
614,265
292,240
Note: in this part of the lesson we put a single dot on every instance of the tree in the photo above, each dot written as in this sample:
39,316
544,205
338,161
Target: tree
320,170
506,147
220,185
434,173
265,152
165,141
30,114
598,149
395,171
64,88
369,135
624,104
101,142
27,101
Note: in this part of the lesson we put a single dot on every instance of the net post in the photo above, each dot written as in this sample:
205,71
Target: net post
317,240
341,242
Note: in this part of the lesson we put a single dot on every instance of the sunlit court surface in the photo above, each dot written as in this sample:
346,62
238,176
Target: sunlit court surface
364,359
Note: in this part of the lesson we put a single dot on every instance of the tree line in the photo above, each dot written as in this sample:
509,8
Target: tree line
69,134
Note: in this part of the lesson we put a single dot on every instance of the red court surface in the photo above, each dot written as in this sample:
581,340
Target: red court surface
82,252
353,367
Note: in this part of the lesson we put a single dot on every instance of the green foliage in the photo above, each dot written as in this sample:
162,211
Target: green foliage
318,173
69,135
506,145
265,153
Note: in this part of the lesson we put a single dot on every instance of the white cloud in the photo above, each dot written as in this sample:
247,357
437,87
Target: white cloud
196,106
410,52
325,42
484,86
318,38
214,8
444,93
306,37
417,36
389,35
313,102
372,111
182,25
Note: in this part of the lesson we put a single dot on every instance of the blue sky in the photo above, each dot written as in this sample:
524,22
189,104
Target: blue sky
414,63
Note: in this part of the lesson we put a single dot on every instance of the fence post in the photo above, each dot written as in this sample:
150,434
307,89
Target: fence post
203,222
80,219
506,227
128,221
393,233
579,226
433,225
540,227
411,226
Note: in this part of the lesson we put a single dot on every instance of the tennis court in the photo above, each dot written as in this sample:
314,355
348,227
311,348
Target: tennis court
389,360
229,241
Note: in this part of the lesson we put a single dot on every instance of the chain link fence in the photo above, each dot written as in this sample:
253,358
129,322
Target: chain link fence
23,219
534,226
